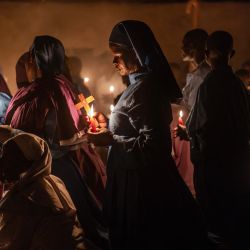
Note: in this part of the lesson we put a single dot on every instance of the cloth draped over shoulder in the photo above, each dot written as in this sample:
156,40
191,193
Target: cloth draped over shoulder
31,105
37,212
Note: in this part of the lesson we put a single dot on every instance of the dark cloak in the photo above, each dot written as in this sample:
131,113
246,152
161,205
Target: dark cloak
148,206
219,130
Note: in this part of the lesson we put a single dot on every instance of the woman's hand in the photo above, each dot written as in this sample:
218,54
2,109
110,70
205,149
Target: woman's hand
181,131
102,137
101,119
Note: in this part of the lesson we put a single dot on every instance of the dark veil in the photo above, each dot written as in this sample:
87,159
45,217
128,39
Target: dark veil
49,55
136,35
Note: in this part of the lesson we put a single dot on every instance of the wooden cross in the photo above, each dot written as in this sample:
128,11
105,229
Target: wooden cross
193,6
84,102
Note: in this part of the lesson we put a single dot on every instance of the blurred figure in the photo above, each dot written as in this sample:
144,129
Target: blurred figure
5,97
246,65
219,130
244,76
47,108
37,211
75,68
24,74
193,51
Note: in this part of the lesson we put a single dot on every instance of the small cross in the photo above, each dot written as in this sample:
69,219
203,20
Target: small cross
84,102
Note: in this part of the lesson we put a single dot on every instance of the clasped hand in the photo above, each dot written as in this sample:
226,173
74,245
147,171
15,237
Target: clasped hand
181,132
103,137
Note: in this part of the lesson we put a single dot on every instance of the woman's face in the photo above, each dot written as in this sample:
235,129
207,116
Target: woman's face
125,60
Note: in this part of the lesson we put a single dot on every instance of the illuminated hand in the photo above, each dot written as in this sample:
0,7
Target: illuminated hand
101,138
101,119
181,131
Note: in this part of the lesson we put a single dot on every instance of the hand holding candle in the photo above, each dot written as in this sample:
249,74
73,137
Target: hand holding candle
92,121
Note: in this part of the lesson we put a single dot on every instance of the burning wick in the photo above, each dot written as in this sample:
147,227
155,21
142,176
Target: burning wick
92,120
112,107
180,120
111,89
86,79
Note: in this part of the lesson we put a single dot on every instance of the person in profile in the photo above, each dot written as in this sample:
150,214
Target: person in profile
36,210
219,130
148,206
193,51
47,109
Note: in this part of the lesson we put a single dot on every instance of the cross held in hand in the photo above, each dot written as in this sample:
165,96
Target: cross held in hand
84,102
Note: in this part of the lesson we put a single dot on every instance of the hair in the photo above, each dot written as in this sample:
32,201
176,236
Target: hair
49,55
221,43
243,74
196,39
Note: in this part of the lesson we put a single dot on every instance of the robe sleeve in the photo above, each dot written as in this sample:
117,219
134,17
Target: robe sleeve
151,125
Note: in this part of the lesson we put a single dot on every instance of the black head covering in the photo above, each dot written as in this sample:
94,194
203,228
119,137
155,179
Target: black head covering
138,36
49,55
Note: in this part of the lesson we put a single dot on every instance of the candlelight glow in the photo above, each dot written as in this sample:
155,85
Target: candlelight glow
91,112
181,113
86,79
112,107
111,89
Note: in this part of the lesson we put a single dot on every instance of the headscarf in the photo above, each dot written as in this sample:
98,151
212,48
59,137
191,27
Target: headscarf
49,55
3,86
31,149
136,35
21,75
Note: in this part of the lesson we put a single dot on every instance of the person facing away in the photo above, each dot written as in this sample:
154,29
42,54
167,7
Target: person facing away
147,206
47,108
5,97
36,211
193,51
218,127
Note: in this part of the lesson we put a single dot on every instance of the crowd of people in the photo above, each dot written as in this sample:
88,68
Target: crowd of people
58,194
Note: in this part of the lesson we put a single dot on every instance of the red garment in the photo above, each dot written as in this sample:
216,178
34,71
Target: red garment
3,86
30,106
28,111
181,153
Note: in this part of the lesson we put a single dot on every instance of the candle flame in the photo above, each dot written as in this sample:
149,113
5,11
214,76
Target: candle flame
181,113
112,107
111,88
91,112
86,79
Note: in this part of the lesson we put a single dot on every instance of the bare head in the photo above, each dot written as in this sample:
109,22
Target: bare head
219,49
193,45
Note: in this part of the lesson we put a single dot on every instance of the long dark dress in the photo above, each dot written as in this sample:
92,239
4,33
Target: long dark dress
46,108
219,129
148,205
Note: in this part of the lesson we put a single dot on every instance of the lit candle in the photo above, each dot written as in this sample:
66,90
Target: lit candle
180,120
111,89
86,79
112,107
92,123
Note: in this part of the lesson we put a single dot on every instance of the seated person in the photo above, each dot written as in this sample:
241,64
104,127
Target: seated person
36,212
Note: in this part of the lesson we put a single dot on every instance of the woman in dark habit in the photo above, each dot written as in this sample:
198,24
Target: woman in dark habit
148,206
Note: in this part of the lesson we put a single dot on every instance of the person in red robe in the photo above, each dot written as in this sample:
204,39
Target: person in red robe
47,108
